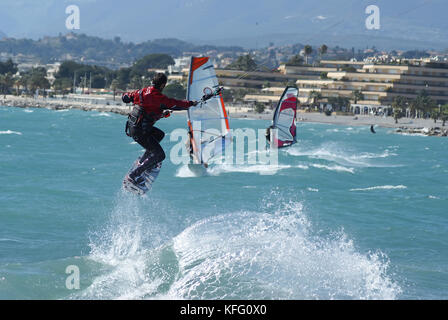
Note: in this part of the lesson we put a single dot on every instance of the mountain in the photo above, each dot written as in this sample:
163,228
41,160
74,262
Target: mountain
404,23
2,34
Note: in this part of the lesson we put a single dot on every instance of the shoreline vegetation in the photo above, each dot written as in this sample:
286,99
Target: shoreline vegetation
404,126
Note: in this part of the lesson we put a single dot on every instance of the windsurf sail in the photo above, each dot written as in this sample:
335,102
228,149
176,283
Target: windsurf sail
285,118
207,122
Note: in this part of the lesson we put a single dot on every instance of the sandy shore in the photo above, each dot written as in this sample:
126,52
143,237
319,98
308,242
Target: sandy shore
354,120
123,109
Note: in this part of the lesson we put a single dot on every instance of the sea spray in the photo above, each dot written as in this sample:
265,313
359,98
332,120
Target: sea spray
271,253
124,247
260,255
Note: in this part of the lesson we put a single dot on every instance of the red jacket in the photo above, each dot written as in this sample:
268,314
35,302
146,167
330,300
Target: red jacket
153,100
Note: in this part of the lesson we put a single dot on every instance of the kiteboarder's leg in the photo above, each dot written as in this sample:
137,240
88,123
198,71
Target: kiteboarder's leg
158,135
153,155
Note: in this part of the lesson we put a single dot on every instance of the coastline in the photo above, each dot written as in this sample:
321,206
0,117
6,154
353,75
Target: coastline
404,124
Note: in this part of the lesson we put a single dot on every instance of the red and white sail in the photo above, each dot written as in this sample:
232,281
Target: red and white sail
285,118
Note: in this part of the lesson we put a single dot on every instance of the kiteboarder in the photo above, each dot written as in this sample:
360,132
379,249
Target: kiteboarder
150,105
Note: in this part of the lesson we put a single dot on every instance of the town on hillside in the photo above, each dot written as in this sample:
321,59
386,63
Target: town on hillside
399,84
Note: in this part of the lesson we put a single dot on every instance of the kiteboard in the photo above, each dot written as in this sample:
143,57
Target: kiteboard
148,176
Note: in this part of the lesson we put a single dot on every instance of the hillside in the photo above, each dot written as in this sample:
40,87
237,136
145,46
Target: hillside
94,50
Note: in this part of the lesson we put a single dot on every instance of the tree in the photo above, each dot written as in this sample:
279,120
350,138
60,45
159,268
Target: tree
324,75
339,102
398,113
95,74
307,50
423,104
357,95
38,79
8,67
136,82
400,103
6,82
114,86
244,62
62,85
297,60
444,113
322,50
175,90
151,61
435,114
316,96
259,107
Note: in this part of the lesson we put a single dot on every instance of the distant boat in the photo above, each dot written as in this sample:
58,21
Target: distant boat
284,120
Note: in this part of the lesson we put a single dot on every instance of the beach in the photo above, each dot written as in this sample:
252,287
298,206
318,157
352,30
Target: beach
233,112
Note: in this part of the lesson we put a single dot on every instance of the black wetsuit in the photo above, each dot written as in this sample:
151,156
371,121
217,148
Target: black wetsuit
149,137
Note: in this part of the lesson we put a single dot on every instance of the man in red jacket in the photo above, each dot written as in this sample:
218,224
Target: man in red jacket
150,106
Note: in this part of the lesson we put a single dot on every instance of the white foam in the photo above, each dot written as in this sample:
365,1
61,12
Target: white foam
237,255
185,172
101,114
312,189
386,187
11,132
256,168
336,152
122,250
334,168
256,255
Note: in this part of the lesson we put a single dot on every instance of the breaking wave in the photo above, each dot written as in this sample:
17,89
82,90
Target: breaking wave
270,253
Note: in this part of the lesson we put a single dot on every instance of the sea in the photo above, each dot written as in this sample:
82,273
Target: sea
346,215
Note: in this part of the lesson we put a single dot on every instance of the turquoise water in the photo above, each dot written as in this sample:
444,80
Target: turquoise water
347,215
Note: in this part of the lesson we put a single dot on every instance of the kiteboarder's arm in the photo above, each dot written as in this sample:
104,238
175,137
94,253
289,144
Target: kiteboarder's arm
129,97
175,105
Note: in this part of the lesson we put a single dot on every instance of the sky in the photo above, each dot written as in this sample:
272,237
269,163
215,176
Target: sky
419,23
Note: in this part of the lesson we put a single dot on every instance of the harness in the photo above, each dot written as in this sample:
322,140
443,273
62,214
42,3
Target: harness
139,120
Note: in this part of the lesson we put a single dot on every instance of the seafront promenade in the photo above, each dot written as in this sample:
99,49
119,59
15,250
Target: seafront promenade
424,126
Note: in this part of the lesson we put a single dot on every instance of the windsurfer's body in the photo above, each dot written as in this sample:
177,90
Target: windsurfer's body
268,133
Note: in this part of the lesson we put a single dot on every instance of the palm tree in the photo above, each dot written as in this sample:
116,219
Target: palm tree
297,60
307,50
399,104
444,113
435,114
357,95
114,86
398,113
316,96
6,82
322,50
423,104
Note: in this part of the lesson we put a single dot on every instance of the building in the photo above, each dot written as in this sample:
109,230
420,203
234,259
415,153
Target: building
378,84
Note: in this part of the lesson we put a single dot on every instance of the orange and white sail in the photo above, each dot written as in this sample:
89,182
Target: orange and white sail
208,122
